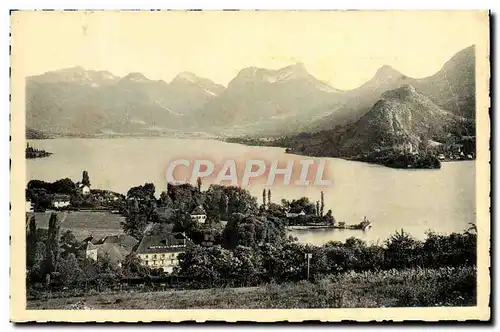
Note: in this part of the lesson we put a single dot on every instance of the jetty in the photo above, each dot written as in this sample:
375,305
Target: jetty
364,225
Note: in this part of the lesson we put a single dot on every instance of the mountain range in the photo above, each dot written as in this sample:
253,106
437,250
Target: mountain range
257,101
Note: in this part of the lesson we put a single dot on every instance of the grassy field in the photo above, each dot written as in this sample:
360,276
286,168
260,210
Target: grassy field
84,224
407,288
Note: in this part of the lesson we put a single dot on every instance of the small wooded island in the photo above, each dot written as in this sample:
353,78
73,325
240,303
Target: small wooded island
32,152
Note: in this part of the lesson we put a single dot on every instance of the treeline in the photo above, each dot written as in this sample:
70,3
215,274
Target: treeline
405,160
285,261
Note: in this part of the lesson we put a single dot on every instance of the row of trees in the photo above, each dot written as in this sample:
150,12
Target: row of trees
285,260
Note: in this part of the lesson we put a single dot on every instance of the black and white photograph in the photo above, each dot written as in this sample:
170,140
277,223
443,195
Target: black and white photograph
250,160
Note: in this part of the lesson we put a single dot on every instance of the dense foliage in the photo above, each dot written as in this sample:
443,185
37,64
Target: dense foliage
285,260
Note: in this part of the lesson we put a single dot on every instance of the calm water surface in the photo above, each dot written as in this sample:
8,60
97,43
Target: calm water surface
415,200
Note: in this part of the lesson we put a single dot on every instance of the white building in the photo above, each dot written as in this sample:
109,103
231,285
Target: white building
85,190
162,251
88,250
293,215
60,201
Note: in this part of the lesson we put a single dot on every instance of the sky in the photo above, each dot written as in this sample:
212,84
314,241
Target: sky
342,48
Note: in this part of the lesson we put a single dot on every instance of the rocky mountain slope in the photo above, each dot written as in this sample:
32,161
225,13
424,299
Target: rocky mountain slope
452,88
79,101
257,94
402,120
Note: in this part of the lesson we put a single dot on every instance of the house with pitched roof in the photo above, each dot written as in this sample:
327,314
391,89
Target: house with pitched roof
88,250
162,251
199,214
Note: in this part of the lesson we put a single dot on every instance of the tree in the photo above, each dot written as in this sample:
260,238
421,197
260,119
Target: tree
198,183
31,243
402,250
238,201
85,179
330,218
165,200
145,192
135,224
37,272
63,186
275,210
322,208
317,208
303,203
52,245
69,238
184,196
69,270
268,196
132,267
225,204
264,198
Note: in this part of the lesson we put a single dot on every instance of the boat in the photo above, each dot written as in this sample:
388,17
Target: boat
365,224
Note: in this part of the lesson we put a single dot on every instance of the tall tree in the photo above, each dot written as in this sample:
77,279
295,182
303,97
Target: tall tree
317,208
31,243
322,208
224,204
85,179
330,218
69,270
264,198
198,183
268,197
52,246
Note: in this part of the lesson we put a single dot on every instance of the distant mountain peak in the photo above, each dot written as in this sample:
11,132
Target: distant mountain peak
136,77
295,71
387,71
186,76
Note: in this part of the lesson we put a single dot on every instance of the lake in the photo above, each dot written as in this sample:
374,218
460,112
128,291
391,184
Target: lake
414,200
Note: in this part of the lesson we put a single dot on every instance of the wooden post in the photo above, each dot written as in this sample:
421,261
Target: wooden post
308,256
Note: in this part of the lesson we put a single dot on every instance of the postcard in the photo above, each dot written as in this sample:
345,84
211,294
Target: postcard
212,165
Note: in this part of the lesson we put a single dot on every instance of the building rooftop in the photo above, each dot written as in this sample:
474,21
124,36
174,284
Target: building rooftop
171,242
60,197
199,210
123,240
87,246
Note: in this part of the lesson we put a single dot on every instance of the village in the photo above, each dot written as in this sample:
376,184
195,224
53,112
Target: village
101,224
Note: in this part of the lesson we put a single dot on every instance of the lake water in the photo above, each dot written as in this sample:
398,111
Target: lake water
414,200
